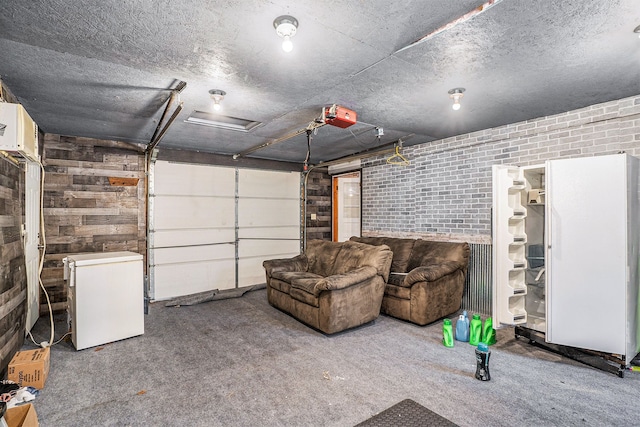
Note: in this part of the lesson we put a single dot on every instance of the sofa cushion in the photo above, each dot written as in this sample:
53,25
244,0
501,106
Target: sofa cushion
401,249
304,290
291,276
430,273
307,284
397,291
321,255
280,285
396,279
344,280
354,255
428,253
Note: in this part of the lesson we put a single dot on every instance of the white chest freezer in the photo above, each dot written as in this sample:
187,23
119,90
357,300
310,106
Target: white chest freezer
105,295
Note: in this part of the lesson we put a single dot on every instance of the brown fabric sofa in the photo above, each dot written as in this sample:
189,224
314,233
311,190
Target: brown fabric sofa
331,286
426,280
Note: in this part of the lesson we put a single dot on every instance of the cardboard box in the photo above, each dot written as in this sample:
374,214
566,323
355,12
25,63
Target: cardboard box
30,368
21,416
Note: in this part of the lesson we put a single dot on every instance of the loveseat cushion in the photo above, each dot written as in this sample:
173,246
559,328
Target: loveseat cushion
304,296
282,280
401,292
307,284
431,273
396,279
401,249
321,255
291,276
344,280
305,290
354,255
434,253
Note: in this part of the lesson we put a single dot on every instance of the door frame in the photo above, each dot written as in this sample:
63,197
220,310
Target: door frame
335,206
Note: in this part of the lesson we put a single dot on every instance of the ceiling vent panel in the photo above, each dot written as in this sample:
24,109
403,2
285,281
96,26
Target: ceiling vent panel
222,122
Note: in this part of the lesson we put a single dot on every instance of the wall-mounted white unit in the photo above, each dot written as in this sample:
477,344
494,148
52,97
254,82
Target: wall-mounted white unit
105,295
566,243
18,132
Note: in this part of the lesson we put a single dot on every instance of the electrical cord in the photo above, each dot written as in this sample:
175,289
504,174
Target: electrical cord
44,250
43,240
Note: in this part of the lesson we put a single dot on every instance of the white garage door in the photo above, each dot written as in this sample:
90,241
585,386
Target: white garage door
211,227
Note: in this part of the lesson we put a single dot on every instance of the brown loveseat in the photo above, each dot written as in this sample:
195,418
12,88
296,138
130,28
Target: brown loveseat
426,280
331,286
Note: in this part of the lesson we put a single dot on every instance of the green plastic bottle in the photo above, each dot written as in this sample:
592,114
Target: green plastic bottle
447,333
475,330
488,333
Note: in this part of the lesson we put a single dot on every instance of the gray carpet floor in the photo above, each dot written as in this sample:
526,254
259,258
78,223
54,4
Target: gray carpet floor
240,362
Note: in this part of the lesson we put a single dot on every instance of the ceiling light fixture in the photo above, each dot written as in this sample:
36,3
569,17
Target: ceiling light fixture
637,30
456,94
286,27
217,95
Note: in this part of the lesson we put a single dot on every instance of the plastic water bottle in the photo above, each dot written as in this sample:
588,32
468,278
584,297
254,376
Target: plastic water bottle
482,362
488,333
475,330
462,327
447,333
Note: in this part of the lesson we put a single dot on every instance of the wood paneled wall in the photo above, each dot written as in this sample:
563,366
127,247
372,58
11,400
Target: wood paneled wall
13,273
319,203
13,276
85,211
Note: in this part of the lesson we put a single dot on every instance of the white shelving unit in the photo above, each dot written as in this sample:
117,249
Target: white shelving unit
510,263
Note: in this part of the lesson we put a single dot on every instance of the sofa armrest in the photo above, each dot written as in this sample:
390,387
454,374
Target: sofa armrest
430,273
297,263
344,280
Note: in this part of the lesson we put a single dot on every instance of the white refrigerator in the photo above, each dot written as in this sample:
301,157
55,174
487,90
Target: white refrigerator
105,295
565,251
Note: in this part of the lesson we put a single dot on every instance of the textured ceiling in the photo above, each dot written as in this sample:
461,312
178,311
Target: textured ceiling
105,69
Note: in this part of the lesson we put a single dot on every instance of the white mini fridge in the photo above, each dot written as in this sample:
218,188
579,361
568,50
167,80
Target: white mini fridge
105,295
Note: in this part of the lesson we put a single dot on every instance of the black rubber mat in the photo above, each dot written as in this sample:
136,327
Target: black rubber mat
407,414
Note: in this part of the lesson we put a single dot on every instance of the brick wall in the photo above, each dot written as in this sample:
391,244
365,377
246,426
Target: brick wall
446,191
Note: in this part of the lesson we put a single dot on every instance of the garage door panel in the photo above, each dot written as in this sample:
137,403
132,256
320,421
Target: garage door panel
196,180
193,278
268,212
274,232
257,183
268,248
252,253
250,272
188,254
180,212
198,236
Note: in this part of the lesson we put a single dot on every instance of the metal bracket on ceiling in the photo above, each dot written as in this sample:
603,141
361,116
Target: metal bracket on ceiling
163,125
